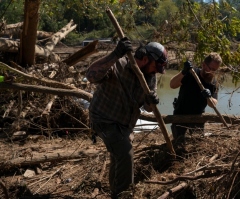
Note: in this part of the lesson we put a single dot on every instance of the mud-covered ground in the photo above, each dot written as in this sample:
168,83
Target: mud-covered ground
71,166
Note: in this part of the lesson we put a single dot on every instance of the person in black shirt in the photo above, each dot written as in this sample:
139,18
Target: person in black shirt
191,100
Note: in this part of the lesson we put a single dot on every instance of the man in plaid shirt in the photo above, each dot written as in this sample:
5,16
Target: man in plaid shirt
115,107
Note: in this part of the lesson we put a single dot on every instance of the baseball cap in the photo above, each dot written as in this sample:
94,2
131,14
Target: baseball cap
158,53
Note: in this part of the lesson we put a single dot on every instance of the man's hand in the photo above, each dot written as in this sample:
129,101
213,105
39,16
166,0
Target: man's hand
206,93
187,67
151,98
123,46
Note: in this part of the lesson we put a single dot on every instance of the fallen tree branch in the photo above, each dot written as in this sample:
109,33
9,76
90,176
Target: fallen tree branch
173,190
8,108
205,117
15,30
44,89
82,53
46,52
182,178
37,79
21,161
47,109
49,178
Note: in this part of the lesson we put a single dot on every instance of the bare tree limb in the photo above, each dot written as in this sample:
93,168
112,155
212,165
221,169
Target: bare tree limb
182,178
43,89
173,190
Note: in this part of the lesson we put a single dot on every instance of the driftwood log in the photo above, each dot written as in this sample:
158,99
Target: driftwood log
82,53
205,117
7,45
14,31
173,190
41,158
44,89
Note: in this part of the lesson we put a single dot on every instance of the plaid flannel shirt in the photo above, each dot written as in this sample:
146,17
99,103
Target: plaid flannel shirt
119,97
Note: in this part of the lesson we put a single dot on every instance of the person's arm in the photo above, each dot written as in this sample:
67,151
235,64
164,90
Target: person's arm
99,69
176,81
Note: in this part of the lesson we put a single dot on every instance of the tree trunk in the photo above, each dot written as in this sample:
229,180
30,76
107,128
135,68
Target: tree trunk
46,52
60,35
14,31
29,33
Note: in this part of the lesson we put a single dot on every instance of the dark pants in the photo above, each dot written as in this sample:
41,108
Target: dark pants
119,145
179,130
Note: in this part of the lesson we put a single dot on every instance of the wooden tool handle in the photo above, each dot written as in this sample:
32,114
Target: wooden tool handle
210,100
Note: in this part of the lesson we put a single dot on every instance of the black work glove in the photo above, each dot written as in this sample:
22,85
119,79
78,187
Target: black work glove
151,98
187,67
123,46
206,93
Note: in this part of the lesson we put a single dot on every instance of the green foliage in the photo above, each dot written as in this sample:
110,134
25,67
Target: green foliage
73,38
163,12
205,26
12,11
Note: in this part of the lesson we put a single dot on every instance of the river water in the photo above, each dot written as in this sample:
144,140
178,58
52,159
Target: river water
228,100
228,96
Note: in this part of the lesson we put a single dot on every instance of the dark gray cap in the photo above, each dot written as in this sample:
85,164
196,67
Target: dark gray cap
159,54
157,51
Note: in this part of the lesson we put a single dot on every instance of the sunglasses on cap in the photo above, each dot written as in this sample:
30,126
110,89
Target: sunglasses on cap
160,67
159,61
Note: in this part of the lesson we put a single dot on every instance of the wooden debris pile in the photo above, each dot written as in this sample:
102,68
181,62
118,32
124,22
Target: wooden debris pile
29,107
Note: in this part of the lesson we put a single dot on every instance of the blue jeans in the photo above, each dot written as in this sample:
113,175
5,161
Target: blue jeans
118,143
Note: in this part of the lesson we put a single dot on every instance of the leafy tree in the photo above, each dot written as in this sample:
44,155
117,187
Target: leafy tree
164,11
146,9
12,10
202,25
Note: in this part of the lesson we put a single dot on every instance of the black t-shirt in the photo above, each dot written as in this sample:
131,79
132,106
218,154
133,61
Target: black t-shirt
190,100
